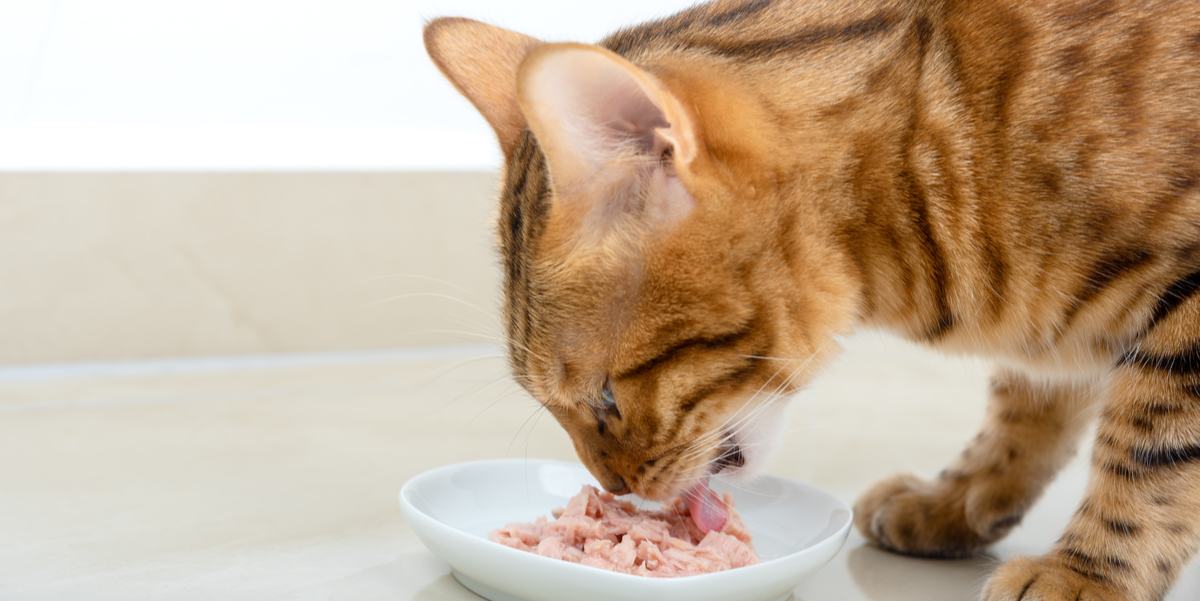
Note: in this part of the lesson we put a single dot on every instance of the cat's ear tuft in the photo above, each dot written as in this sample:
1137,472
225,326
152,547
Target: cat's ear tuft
589,107
481,60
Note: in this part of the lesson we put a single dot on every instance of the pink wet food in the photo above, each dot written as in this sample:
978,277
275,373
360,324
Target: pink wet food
597,529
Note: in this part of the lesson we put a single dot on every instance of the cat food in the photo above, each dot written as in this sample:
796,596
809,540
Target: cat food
597,529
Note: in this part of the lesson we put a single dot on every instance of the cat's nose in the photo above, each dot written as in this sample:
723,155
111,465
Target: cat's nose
618,487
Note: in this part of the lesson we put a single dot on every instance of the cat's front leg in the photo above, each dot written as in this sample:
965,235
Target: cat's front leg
1031,430
1140,521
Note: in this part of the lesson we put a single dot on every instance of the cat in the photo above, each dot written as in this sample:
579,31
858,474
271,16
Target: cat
694,209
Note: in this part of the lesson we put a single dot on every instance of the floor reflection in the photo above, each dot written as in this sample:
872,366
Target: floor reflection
864,572
886,576
445,588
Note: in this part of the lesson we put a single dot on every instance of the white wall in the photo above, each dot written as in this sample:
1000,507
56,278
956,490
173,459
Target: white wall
253,84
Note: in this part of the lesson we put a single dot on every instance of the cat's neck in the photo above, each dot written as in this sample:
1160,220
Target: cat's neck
843,145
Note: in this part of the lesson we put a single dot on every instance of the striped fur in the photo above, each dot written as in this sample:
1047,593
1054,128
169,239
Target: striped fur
1018,179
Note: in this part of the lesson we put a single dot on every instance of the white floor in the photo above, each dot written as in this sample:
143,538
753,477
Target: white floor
276,478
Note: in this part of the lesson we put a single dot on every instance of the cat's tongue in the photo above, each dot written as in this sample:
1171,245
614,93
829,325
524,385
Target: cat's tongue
707,508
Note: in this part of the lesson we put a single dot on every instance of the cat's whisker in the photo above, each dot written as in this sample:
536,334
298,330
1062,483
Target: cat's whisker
773,397
688,483
771,358
529,433
456,399
415,276
719,431
499,397
489,317
508,394
715,436
484,336
702,444
516,435
775,394
728,482
437,295
431,378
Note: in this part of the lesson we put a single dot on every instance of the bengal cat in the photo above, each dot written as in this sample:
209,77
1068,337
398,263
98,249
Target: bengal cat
695,207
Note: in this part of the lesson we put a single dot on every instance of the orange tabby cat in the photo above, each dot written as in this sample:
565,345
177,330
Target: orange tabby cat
695,207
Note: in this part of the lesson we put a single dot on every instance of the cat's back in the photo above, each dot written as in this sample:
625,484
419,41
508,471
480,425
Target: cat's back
1081,123
1078,103
1053,146
1076,99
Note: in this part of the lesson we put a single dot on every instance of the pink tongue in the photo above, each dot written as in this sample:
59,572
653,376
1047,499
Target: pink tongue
707,509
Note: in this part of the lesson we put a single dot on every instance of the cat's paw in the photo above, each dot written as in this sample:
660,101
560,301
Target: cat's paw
949,518
1045,579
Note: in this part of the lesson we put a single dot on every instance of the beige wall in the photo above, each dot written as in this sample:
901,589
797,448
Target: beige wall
101,266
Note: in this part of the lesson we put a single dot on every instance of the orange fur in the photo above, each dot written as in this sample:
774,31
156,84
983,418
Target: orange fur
1017,179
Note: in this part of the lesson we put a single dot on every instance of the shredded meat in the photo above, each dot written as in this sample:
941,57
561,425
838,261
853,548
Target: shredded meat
597,529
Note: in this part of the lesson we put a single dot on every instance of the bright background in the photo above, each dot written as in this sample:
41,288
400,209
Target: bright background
230,177
253,84
248,288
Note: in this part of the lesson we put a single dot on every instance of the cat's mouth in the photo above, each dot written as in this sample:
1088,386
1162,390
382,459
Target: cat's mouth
706,507
729,456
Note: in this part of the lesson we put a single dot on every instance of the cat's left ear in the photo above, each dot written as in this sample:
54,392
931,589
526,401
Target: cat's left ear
590,108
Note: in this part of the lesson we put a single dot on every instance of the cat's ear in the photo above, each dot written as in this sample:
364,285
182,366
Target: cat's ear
481,60
589,107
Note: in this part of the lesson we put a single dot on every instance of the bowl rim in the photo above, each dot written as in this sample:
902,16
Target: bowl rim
411,512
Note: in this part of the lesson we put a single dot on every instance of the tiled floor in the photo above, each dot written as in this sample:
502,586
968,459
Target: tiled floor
277,479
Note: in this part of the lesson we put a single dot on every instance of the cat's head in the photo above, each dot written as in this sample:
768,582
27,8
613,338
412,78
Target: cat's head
661,299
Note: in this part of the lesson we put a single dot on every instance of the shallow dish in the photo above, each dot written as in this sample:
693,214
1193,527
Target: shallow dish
796,530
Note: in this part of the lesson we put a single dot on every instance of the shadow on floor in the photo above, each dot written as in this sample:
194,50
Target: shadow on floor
883,576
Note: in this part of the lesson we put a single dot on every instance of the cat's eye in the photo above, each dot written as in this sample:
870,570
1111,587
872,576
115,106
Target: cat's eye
608,401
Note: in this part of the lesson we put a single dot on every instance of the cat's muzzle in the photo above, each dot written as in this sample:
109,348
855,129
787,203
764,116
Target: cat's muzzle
729,455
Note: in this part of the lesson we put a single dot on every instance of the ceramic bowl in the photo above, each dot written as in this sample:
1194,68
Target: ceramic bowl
796,529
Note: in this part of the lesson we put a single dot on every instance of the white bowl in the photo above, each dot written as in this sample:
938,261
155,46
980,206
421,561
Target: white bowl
796,530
